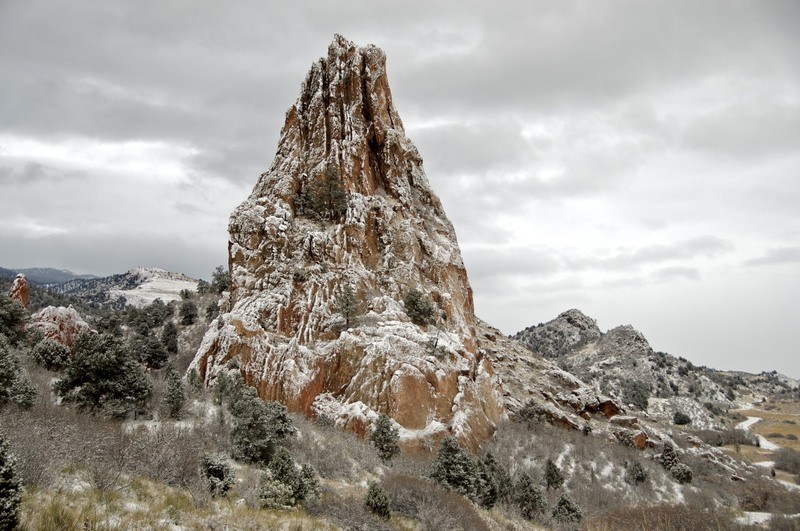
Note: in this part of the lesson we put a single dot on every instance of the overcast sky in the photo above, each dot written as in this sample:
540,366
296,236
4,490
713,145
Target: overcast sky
637,160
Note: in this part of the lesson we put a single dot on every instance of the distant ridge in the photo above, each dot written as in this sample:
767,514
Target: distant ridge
44,275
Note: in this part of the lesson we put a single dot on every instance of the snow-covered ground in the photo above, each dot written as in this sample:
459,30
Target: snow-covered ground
156,284
763,442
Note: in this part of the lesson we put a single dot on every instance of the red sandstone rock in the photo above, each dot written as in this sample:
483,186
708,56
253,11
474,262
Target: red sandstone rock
61,324
19,290
288,265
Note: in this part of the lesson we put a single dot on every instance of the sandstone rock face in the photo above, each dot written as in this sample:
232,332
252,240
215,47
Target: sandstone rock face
19,290
292,258
59,323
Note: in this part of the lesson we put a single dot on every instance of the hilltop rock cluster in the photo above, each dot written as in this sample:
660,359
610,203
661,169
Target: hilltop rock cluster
346,212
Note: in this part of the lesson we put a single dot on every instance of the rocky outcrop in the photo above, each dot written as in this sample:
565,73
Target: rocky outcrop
19,290
346,208
59,323
566,332
534,383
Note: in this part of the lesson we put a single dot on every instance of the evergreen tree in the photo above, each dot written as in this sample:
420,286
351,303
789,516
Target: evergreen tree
15,387
499,476
284,470
635,473
169,337
384,437
219,280
566,511
552,475
148,350
12,319
454,468
377,501
418,308
10,487
50,354
668,457
274,494
346,305
328,195
495,481
103,375
188,312
528,497
258,428
219,474
174,395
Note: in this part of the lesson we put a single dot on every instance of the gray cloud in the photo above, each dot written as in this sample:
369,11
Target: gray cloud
778,256
666,274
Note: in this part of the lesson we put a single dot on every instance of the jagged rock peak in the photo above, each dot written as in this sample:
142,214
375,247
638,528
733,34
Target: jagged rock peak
19,290
346,206
557,337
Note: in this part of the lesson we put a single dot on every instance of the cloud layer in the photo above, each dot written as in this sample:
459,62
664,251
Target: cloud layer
637,160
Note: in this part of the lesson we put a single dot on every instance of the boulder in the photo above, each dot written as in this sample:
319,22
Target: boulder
59,323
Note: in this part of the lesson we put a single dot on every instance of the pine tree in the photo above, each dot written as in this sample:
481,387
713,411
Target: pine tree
219,474
528,497
50,354
10,487
566,511
495,481
384,437
418,308
328,195
15,387
258,428
148,350
174,395
219,280
377,501
169,337
103,375
454,468
346,305
552,475
12,319
303,482
188,312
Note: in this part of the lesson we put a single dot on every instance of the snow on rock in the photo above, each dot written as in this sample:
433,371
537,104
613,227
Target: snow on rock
19,290
155,284
290,261
59,323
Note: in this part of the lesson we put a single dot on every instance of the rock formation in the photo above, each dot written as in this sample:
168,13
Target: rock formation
554,338
59,323
19,290
346,207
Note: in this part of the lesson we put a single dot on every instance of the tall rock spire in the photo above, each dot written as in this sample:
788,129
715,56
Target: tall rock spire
346,206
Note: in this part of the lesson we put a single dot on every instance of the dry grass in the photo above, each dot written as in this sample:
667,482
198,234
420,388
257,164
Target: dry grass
151,505
782,417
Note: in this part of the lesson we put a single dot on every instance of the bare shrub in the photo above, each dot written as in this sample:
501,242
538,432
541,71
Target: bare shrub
766,496
334,453
726,437
663,518
788,460
345,511
434,506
